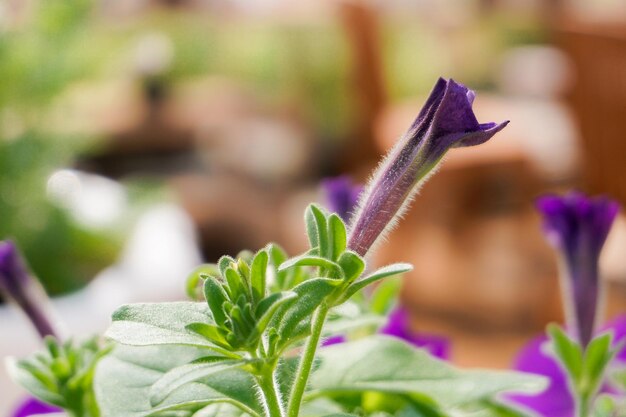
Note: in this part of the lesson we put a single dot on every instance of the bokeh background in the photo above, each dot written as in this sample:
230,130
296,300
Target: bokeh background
139,138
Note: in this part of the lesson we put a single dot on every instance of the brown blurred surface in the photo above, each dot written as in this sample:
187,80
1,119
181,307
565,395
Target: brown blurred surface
598,98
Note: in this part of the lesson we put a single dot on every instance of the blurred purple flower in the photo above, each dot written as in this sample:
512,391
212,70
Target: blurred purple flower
32,407
578,226
446,121
557,401
342,195
334,340
399,325
18,286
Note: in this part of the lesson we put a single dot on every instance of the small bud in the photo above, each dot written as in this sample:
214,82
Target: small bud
446,121
578,226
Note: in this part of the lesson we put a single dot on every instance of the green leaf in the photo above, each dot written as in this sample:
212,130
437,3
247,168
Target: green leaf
337,236
597,356
215,296
341,415
311,227
321,227
123,380
236,286
223,263
567,351
267,308
193,286
210,332
159,324
384,295
309,260
257,275
344,325
185,374
270,304
37,380
311,294
492,408
384,364
352,265
379,274
277,257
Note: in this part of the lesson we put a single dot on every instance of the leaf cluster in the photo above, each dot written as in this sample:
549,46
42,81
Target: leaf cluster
236,351
62,374
586,368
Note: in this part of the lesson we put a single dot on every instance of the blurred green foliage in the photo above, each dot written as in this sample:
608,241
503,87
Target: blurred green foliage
38,59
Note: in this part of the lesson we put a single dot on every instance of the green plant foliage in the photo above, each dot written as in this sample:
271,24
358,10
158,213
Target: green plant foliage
62,375
403,369
233,352
585,367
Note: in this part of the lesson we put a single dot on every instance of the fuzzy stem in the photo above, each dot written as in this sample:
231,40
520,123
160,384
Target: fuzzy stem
270,393
306,361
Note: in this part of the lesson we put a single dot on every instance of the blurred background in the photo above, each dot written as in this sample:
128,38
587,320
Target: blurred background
139,138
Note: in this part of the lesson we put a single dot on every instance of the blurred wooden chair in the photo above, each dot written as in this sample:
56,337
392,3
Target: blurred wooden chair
598,99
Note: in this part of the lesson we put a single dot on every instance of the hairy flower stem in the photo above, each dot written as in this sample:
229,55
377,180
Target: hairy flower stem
306,361
273,407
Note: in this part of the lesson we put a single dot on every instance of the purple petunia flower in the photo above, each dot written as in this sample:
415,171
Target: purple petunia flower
18,286
578,226
446,121
399,326
33,407
342,195
557,401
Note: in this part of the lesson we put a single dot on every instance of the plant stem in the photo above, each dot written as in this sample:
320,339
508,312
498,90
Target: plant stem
582,406
268,388
306,361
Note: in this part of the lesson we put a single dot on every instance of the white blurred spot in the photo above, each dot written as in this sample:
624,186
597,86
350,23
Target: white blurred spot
93,200
154,54
535,71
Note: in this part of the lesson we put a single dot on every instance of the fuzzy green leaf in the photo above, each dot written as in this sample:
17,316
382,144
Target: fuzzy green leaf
257,275
402,368
210,332
311,227
215,296
567,351
36,380
309,260
124,378
377,275
311,294
159,324
337,236
597,356
321,228
351,264
185,374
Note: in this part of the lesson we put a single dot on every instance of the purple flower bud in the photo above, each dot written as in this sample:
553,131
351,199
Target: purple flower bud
446,121
18,286
578,226
342,195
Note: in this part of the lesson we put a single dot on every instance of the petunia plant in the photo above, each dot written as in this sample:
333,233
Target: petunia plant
579,359
249,341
